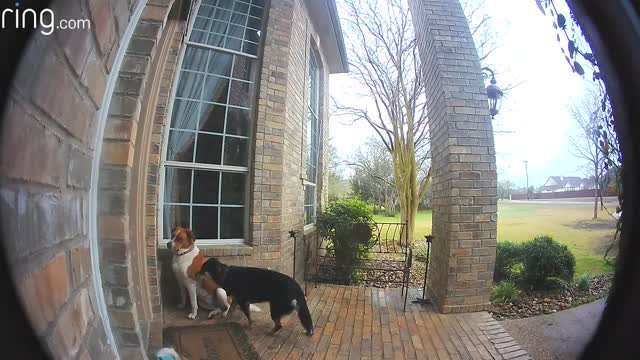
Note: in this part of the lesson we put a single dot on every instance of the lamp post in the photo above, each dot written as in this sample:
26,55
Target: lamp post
493,92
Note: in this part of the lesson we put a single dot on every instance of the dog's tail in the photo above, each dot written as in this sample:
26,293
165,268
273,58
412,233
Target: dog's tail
300,304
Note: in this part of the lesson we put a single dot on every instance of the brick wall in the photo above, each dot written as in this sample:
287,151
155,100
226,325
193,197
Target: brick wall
48,150
51,137
463,163
52,120
278,161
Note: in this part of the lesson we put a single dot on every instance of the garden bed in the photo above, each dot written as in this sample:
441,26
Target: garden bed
548,302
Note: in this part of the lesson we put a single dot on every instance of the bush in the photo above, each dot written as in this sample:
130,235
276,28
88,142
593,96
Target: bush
509,257
504,292
584,282
346,224
545,258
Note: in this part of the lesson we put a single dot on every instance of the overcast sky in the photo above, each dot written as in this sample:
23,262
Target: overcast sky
536,112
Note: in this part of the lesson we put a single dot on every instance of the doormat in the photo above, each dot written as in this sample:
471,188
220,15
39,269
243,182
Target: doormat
226,341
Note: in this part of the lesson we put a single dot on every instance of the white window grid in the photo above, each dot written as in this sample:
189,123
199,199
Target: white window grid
219,24
310,198
213,167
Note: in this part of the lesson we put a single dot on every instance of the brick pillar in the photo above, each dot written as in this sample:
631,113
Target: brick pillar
464,169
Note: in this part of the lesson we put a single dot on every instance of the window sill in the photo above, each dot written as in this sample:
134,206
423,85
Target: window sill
309,229
221,250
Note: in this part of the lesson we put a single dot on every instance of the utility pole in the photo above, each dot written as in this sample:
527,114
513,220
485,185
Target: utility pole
526,171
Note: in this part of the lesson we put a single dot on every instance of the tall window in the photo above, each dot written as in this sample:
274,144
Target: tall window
207,154
310,197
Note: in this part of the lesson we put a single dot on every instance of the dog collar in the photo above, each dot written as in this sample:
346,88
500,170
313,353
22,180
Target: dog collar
188,251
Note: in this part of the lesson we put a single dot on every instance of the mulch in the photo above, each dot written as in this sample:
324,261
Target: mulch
547,302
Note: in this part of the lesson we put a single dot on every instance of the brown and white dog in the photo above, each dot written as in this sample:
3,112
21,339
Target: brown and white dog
187,263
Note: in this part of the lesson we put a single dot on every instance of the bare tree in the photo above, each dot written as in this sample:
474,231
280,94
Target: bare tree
384,59
373,178
481,30
585,145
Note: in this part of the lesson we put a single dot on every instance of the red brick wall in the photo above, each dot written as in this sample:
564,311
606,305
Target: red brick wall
48,151
48,148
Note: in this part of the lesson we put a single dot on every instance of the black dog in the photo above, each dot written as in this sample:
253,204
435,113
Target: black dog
249,285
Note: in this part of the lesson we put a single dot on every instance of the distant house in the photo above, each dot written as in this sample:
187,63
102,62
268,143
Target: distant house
567,183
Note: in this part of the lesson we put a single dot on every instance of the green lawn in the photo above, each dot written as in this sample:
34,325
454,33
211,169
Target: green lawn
570,224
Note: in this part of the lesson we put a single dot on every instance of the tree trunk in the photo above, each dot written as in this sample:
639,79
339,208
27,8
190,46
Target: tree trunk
406,179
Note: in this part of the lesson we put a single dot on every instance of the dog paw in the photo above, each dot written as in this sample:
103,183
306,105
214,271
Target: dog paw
214,313
192,316
309,333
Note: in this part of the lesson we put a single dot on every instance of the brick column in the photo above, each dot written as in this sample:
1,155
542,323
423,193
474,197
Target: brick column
464,169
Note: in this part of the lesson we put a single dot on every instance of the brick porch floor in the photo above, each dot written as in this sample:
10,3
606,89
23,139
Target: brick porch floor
368,323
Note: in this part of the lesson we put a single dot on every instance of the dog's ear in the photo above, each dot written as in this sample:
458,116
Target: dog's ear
190,235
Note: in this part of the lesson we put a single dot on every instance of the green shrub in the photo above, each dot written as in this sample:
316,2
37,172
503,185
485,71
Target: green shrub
544,258
346,224
504,292
584,281
509,258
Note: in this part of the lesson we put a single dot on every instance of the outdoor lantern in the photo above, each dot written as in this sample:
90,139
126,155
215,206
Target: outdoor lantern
494,94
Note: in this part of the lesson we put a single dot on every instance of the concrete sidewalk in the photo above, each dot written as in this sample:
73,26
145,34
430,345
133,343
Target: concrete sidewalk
562,335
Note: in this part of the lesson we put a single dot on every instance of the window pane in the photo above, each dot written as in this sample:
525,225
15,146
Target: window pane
177,185
205,222
201,23
258,3
227,4
254,23
219,63
238,121
180,146
241,7
242,68
198,36
256,11
195,59
184,114
212,118
231,223
205,186
233,44
215,40
235,151
174,216
239,94
250,48
222,15
238,19
251,35
190,85
207,8
215,89
232,191
219,27
209,149
309,204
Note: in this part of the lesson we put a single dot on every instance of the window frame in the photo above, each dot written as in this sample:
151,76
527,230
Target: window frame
310,115
164,163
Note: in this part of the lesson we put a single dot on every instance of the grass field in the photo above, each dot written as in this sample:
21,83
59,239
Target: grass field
570,224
